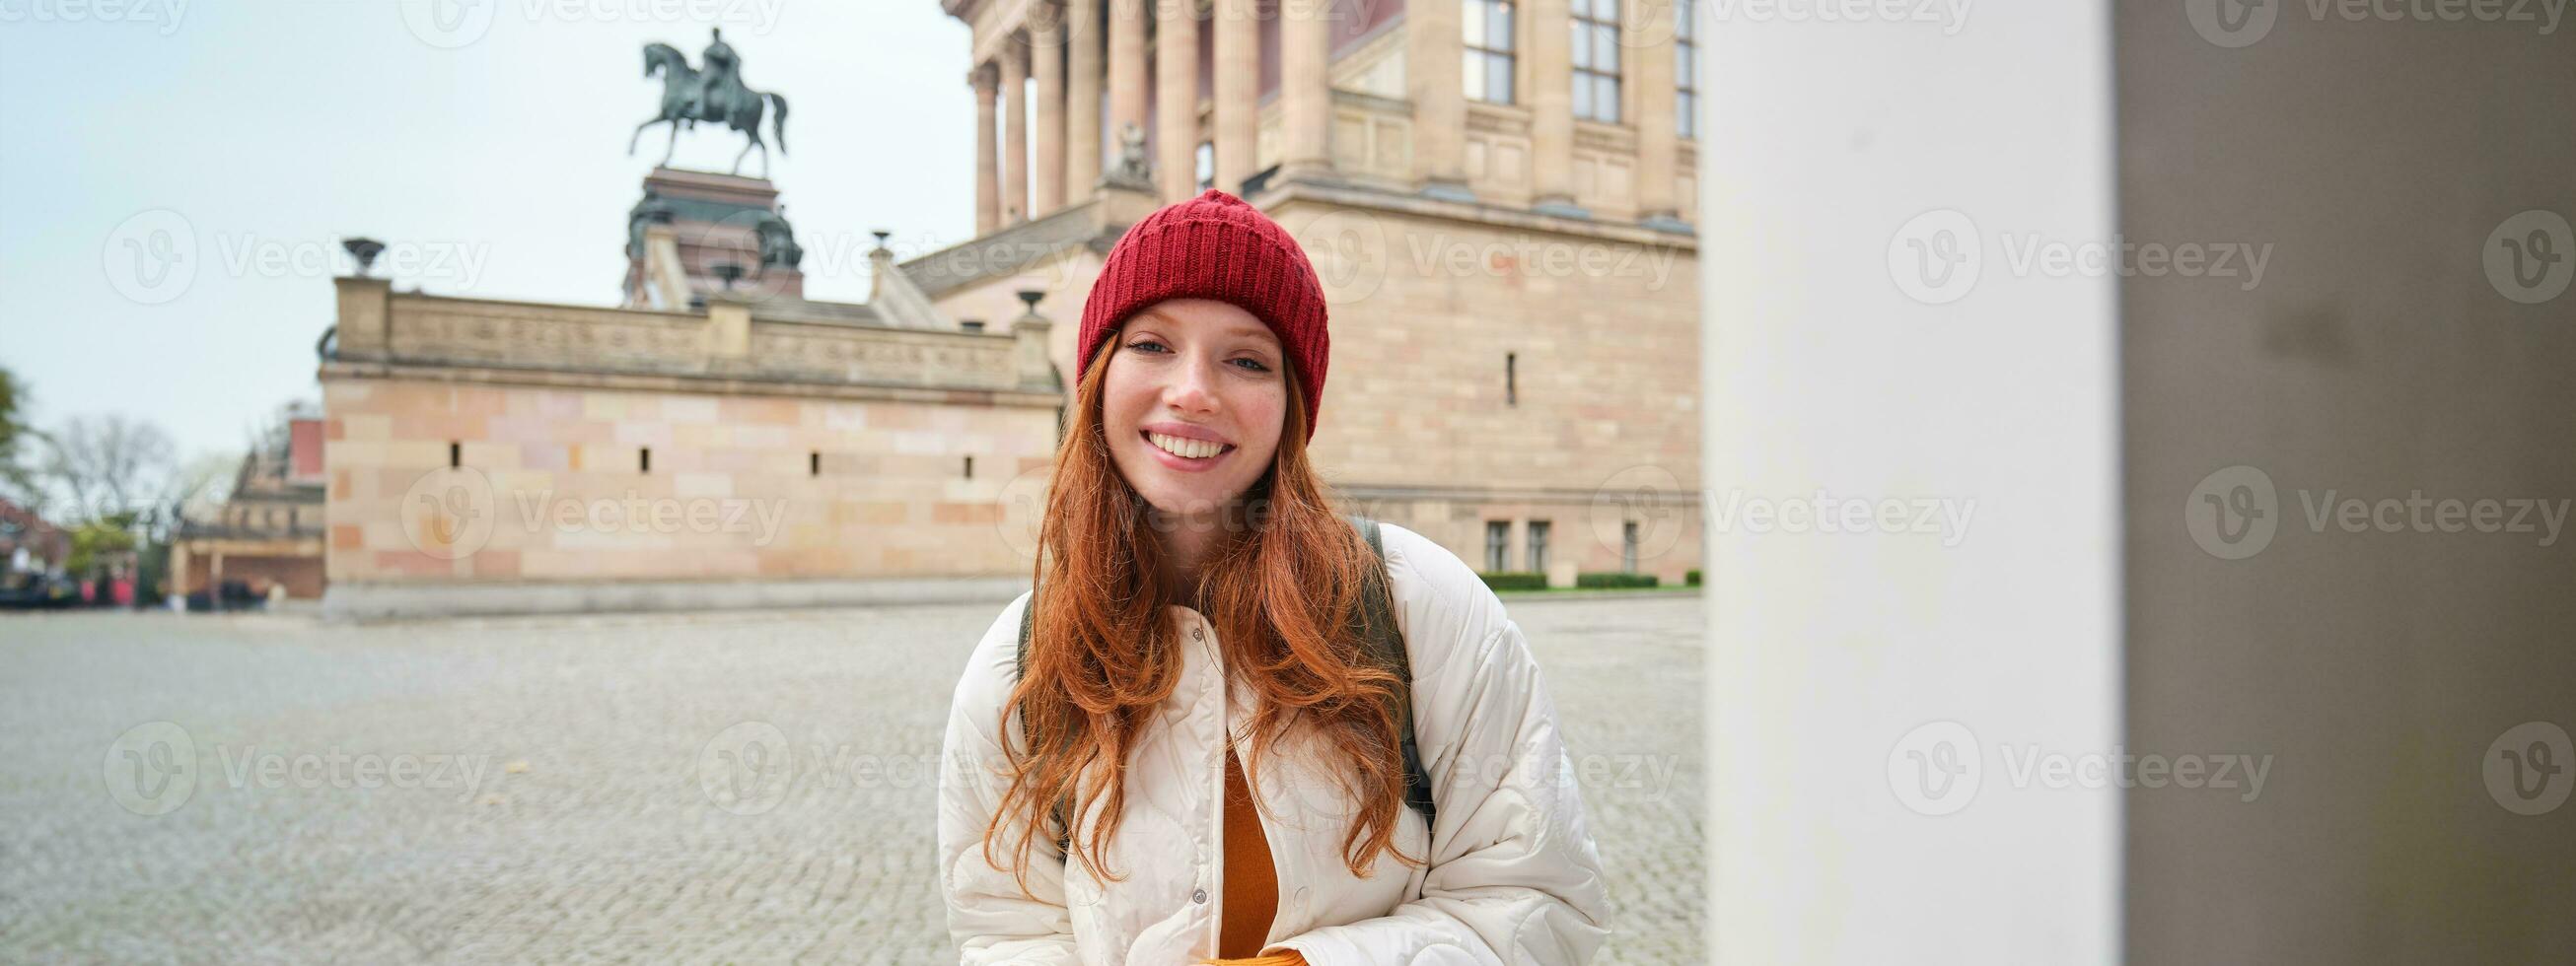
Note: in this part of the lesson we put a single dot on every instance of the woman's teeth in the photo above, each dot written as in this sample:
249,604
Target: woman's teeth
1197,449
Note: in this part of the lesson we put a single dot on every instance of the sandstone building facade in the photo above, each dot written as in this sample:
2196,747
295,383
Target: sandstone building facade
1515,306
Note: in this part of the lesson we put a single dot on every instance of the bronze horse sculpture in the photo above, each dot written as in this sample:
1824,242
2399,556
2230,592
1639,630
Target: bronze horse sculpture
719,94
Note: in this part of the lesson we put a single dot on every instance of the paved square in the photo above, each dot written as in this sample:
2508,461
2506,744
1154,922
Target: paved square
610,787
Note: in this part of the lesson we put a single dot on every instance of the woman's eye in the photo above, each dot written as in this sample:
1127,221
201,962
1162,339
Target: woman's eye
1256,365
1143,343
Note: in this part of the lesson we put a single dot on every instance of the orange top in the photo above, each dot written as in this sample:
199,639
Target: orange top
1251,886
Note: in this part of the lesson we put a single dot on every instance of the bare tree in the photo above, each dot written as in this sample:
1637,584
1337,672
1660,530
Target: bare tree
107,464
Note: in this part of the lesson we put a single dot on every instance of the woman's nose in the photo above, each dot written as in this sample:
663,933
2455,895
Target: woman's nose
1192,387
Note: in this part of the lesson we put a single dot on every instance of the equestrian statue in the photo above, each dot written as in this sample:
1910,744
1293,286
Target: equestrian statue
716,94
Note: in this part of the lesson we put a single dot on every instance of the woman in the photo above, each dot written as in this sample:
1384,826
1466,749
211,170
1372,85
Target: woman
1197,682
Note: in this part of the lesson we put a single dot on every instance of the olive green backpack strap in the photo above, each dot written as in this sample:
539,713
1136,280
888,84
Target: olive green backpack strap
1020,663
1385,641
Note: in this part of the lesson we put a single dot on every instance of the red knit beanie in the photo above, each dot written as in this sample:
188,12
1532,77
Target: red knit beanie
1217,247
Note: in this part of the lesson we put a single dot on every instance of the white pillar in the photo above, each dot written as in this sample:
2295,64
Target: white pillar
1126,69
1046,61
1238,88
1081,99
1015,139
1434,51
1176,99
988,176
1306,86
1823,713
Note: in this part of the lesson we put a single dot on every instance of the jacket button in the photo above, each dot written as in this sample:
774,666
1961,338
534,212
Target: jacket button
1198,633
1198,896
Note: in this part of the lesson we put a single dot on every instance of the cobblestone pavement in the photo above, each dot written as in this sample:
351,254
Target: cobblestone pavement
571,788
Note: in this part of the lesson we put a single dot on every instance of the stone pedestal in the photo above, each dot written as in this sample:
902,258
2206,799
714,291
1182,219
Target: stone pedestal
716,218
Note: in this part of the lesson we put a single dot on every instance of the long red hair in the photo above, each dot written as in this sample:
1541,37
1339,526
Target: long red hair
1284,592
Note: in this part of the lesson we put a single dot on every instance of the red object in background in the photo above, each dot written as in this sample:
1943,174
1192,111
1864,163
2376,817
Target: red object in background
304,450
121,590
89,591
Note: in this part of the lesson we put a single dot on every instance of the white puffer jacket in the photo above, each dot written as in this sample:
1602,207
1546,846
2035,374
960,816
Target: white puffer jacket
1513,877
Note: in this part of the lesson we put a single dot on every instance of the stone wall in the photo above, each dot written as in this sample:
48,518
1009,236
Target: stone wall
481,442
573,484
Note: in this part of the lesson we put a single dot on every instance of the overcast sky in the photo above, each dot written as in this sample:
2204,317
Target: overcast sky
175,183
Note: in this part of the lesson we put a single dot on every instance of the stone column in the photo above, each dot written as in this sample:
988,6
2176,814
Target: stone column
1434,59
1238,91
988,181
1046,60
1015,137
1176,99
1126,68
1305,87
1551,101
1651,66
1081,99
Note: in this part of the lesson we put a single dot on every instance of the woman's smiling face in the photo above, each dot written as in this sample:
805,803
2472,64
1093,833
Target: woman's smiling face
1194,400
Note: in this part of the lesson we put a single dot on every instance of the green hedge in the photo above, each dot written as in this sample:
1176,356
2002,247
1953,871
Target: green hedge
1692,578
1515,580
1614,579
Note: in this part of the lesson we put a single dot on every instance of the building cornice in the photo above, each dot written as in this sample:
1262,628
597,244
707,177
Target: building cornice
743,385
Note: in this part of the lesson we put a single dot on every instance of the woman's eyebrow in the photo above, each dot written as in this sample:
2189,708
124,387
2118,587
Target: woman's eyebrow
1253,334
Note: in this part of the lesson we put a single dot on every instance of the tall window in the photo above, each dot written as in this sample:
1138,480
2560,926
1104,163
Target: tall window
1628,547
1686,69
1488,26
1596,60
1498,546
1205,161
1538,545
